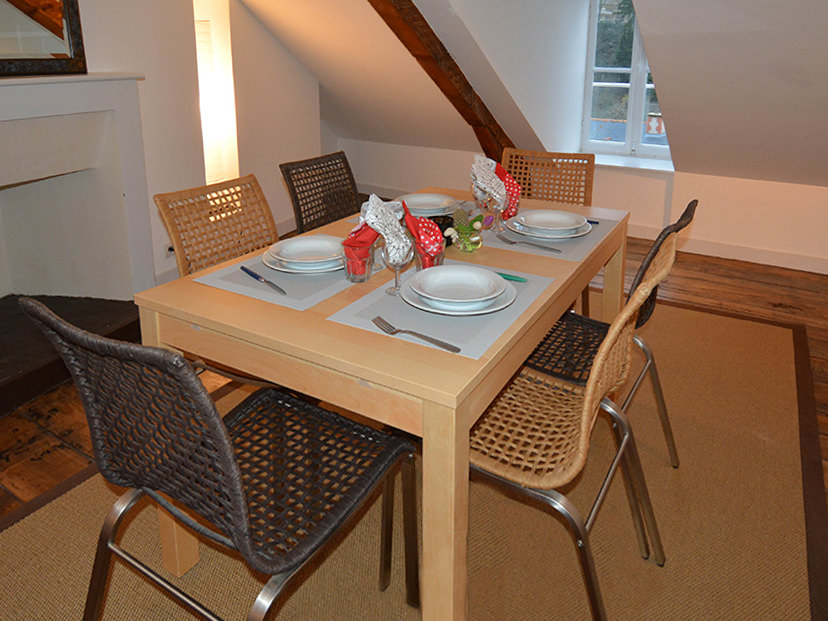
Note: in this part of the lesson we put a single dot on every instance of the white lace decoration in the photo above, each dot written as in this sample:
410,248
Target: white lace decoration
384,218
486,185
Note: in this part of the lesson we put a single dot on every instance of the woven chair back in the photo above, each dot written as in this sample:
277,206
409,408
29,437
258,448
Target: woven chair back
152,422
213,223
558,177
648,306
322,190
611,366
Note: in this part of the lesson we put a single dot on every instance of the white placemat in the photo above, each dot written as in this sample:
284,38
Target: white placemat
303,290
570,249
472,334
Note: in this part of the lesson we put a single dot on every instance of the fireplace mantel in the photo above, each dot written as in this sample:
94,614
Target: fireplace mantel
73,194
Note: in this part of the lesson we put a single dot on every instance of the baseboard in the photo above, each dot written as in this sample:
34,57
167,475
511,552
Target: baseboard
761,256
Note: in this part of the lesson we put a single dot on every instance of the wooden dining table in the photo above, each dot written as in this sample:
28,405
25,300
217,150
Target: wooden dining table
433,394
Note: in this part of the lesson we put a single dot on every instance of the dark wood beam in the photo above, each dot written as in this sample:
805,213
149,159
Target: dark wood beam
412,29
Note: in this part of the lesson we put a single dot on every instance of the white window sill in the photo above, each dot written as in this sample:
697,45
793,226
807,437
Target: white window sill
628,161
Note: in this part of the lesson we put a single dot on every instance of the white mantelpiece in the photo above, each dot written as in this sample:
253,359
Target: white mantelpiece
73,192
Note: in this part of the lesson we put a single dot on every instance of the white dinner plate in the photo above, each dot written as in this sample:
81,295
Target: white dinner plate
329,266
518,228
548,220
428,205
463,284
312,250
499,303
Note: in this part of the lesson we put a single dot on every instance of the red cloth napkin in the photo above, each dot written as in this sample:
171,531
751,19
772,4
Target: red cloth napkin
357,246
428,238
512,189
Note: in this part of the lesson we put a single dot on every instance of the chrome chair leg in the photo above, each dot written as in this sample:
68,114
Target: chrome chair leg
650,366
103,555
629,488
268,595
639,482
387,530
662,405
580,535
412,569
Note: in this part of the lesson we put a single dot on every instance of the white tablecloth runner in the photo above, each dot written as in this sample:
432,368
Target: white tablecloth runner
303,290
570,249
473,334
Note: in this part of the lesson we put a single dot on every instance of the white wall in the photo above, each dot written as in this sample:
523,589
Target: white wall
277,108
538,49
154,38
390,170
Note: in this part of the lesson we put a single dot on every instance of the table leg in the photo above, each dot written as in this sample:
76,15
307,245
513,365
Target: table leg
613,297
179,547
445,514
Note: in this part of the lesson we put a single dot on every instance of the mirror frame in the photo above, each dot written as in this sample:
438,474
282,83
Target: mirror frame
75,63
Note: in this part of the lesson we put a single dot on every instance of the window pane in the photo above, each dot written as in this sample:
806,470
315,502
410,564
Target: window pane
609,113
653,130
616,29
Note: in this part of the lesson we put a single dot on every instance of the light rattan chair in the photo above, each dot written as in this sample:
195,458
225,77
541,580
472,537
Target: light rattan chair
322,190
213,223
556,177
548,176
535,437
569,348
274,480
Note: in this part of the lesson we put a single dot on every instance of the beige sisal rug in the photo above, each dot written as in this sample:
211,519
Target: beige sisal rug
731,517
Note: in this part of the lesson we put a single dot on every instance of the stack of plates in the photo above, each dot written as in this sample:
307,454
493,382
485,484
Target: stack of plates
549,224
306,255
458,290
428,205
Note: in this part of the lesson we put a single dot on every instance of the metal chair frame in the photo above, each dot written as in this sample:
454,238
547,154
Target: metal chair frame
156,431
566,357
535,437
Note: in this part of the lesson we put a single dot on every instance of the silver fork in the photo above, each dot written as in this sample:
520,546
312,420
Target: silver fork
386,327
506,240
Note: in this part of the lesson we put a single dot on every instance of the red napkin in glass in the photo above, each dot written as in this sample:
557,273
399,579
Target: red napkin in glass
428,238
357,246
512,189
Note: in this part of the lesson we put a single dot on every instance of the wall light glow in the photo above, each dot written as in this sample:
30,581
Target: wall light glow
216,89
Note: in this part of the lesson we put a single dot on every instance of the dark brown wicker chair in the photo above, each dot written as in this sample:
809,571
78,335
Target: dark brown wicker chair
535,437
275,479
568,350
322,190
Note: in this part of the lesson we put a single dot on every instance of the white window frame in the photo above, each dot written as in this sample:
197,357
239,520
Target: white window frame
638,86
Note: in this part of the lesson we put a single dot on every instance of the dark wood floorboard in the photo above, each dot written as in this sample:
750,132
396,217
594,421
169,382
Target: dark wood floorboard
50,431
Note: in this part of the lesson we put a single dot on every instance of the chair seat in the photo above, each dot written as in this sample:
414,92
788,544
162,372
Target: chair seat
568,349
304,470
530,435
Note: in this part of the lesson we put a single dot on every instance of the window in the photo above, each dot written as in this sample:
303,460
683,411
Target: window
621,111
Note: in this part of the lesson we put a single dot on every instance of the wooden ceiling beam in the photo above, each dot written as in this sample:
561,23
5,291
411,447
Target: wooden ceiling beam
412,29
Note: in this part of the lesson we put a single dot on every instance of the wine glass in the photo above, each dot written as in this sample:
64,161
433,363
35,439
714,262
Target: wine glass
498,209
397,267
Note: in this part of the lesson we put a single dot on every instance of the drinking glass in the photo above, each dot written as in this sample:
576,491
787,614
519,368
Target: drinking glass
498,209
397,267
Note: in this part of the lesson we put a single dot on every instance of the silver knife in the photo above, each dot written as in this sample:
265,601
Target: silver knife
269,283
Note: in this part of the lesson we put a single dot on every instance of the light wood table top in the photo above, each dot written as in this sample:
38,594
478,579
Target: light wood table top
431,393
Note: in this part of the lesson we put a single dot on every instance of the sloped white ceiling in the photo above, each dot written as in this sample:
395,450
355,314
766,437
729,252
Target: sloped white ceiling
743,85
371,88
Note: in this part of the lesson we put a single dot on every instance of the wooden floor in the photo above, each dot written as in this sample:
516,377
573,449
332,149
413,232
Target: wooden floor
46,441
